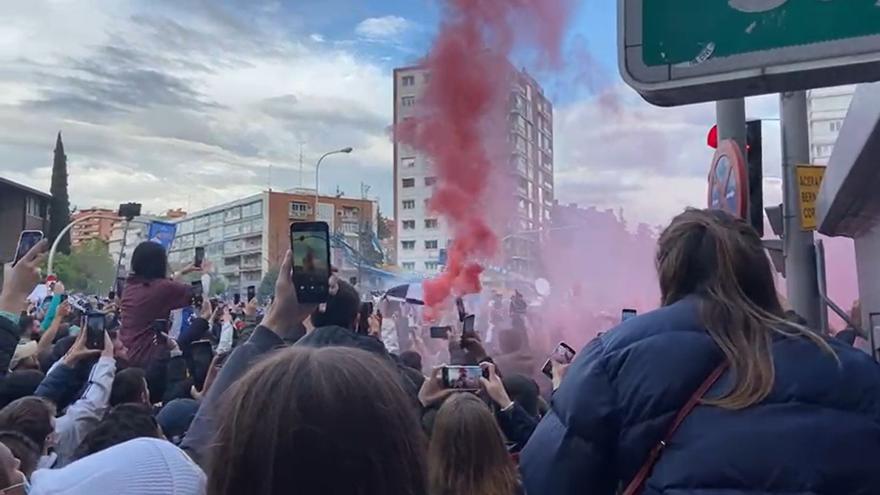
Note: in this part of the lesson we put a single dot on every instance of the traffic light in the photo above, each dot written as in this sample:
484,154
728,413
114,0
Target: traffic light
755,163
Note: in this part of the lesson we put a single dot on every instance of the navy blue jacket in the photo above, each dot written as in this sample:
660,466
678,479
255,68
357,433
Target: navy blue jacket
818,432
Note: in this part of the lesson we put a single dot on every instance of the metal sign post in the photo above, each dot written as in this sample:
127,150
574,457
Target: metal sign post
800,265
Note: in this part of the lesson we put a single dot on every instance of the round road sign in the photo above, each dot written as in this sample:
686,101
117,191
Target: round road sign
728,180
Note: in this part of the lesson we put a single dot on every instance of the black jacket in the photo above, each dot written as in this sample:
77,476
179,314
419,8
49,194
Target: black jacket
9,335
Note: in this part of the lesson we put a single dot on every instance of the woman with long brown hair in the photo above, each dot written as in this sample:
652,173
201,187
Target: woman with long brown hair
328,421
467,455
715,392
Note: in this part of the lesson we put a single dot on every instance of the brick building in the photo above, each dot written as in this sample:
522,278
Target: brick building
21,208
93,228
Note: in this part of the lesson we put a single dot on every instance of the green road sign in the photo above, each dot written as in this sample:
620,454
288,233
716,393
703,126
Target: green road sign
684,51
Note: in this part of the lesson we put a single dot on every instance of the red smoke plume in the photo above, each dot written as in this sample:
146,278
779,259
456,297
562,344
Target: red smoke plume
462,122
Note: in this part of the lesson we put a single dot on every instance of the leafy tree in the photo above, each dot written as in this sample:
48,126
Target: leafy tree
383,226
267,285
59,207
88,268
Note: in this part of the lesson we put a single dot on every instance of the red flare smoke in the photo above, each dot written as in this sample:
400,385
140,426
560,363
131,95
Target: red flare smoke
462,121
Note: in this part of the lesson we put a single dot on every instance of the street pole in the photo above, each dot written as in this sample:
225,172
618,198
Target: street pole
122,249
731,118
318,170
800,260
50,263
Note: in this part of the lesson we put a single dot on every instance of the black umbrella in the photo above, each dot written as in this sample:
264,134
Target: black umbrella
408,293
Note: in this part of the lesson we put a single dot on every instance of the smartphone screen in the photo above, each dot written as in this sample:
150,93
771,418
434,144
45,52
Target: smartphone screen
197,293
236,298
440,332
462,377
202,355
200,257
95,330
111,295
251,292
626,314
563,354
459,304
26,240
467,326
160,327
310,246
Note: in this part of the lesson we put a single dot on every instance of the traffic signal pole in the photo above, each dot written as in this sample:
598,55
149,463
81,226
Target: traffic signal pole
800,259
731,117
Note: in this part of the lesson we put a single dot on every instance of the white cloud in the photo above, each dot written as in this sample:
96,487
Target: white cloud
389,27
183,105
617,151
316,37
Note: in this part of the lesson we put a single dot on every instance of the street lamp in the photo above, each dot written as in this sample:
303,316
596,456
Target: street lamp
318,168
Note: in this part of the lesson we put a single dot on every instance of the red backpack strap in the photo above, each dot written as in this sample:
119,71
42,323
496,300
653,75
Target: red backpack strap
638,482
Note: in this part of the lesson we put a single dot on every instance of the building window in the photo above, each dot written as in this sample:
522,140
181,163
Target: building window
430,181
430,223
408,245
835,125
409,266
431,265
408,80
233,214
409,182
299,209
430,244
408,162
409,225
32,206
409,204
408,101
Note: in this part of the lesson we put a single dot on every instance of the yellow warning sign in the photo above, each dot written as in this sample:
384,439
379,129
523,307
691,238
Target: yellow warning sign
809,182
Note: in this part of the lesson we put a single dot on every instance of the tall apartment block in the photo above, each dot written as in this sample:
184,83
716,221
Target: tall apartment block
826,110
421,237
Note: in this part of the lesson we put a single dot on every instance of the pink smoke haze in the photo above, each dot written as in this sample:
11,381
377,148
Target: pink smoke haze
463,120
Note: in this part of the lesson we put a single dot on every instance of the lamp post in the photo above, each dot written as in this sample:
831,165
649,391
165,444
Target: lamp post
64,232
318,169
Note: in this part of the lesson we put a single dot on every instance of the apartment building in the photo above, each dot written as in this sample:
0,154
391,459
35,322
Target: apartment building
826,111
245,237
421,236
100,228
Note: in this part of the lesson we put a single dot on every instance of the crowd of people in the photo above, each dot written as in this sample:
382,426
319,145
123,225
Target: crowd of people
717,392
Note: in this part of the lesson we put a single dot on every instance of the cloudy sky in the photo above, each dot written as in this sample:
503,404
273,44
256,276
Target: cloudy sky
188,103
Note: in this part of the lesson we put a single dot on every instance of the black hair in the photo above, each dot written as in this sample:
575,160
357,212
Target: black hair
411,359
524,391
19,384
341,309
128,387
149,261
123,423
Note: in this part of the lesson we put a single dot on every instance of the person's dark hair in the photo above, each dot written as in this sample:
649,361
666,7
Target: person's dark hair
325,420
524,391
341,310
149,261
25,325
23,448
510,340
18,384
128,387
411,359
121,424
31,416
467,455
720,259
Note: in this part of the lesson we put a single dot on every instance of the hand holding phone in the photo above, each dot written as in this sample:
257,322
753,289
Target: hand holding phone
463,377
95,331
199,257
440,332
562,354
26,241
251,292
197,294
310,250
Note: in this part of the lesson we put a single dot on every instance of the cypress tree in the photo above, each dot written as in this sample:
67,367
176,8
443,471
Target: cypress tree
59,208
